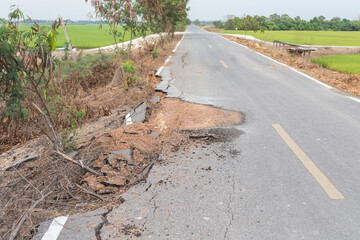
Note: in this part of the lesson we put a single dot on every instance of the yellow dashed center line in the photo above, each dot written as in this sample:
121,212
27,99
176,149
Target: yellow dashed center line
324,182
210,46
224,64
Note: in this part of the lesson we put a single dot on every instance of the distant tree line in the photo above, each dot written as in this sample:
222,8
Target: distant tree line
285,22
70,22
202,23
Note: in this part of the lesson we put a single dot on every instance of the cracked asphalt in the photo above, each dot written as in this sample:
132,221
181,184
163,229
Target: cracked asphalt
191,180
251,186
263,191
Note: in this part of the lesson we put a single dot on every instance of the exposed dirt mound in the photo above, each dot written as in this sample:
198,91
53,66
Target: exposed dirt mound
176,114
131,150
347,82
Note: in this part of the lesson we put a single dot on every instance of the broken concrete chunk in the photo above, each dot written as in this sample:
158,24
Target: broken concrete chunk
162,87
73,154
155,135
122,155
80,226
139,114
155,99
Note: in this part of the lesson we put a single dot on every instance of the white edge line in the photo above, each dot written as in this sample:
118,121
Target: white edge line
168,59
55,228
177,45
356,99
285,65
128,120
159,71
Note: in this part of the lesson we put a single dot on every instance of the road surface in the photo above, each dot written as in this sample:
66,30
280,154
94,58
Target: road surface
291,172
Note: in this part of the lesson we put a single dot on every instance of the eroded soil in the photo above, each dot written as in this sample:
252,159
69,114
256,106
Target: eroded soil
130,150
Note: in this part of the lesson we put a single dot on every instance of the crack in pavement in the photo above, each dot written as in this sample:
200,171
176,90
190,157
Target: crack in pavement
229,208
155,208
101,225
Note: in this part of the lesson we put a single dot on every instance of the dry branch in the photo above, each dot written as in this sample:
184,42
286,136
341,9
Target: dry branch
22,161
56,140
66,157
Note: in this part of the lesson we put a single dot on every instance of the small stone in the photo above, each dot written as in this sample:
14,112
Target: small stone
122,155
73,154
155,135
155,99
81,204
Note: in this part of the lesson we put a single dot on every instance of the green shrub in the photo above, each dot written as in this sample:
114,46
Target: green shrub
130,74
155,53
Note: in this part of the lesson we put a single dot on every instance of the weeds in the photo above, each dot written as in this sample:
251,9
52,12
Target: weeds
155,53
83,65
66,52
130,74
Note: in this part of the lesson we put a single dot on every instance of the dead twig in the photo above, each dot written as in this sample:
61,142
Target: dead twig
22,161
66,157
32,185
22,220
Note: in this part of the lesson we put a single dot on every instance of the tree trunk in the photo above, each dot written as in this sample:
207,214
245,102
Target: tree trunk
117,78
123,39
113,29
131,37
67,37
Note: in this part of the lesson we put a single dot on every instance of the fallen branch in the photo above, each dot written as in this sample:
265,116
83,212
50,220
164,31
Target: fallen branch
21,222
56,140
66,157
22,161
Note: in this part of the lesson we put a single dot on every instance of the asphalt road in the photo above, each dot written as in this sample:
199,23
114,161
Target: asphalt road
298,179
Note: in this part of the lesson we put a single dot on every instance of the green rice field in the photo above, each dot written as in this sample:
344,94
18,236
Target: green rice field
341,63
325,38
87,36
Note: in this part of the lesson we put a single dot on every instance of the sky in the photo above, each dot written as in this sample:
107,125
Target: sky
201,9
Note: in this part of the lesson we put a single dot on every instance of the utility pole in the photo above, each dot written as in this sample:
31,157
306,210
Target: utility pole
67,37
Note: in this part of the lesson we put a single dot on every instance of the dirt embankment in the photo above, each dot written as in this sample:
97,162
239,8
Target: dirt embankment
347,82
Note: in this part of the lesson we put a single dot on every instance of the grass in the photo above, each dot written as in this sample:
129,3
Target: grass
87,36
341,63
326,38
